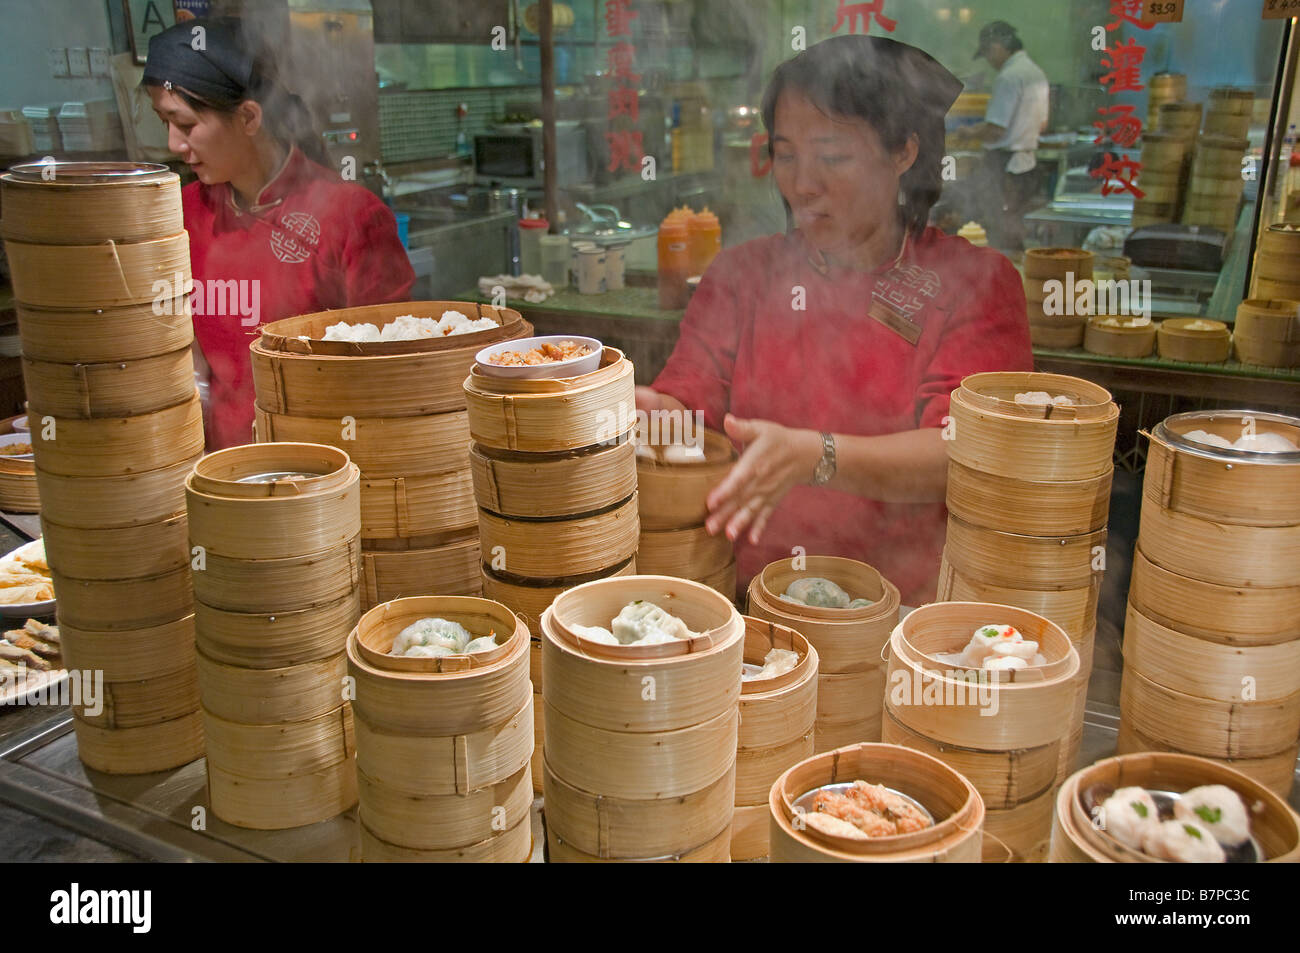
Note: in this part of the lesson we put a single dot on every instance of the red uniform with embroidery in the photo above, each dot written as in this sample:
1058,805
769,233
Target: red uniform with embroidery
744,349
311,242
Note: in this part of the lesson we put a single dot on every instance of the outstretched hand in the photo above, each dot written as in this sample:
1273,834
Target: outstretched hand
775,459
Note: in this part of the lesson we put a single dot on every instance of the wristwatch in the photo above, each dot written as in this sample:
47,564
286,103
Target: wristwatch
826,465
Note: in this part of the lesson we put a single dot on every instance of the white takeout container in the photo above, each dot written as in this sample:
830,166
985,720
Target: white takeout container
573,367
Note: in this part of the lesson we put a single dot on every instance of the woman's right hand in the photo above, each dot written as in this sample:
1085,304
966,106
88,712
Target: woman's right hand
649,400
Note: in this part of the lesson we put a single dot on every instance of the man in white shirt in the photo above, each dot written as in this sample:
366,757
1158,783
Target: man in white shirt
1016,115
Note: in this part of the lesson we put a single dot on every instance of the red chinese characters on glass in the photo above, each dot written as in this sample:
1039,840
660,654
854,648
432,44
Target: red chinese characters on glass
1122,127
625,150
621,60
1128,11
863,13
1118,175
1125,64
624,101
618,17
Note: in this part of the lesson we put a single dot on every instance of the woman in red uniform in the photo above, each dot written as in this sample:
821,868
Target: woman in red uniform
829,353
272,232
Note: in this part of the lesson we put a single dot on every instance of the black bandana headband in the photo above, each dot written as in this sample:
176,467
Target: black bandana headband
215,64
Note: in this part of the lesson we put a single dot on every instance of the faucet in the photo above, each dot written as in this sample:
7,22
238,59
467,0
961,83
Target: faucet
591,211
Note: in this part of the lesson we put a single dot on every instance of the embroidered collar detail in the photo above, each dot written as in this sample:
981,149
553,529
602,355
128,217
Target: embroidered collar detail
291,171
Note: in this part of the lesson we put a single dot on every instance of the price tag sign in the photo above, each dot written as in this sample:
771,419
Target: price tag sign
1281,9
1162,11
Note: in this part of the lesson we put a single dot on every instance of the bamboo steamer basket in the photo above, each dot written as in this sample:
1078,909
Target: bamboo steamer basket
453,695
107,275
749,831
1076,839
444,822
723,581
1074,610
553,414
1219,157
449,569
601,687
1062,322
18,488
1010,560
279,519
1168,174
1050,336
1230,616
1228,554
846,640
762,765
425,766
1203,188
271,696
1276,266
829,737
1267,333
1262,352
513,846
1182,119
1232,100
1162,152
98,335
1177,343
529,599
675,496
148,701
691,553
1051,444
1004,779
268,804
47,202
381,447
338,379
539,738
1029,708
1208,669
1224,486
417,507
126,552
1102,338
1273,288
119,389
143,750
1152,213
1065,508
717,850
610,827
1282,241
280,585
286,750
1163,88
1057,262
949,797
116,446
131,655
123,604
1073,741
776,712
1198,725
551,549
1276,772
135,499
1019,835
849,698
533,486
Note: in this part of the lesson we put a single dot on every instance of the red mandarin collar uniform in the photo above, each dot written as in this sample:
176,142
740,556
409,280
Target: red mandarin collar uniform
746,350
312,242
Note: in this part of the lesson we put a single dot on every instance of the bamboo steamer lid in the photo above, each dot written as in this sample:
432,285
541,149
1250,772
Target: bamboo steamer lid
130,655
1217,729
444,822
417,508
1074,610
1102,338
692,553
1208,669
282,750
1179,340
135,499
528,599
1057,262
311,581
144,750
1063,508
438,696
379,446
619,828
108,275
1228,554
1010,560
949,797
339,379
531,485
119,389
125,552
1021,834
148,701
717,850
1050,443
123,604
100,335
512,846
1276,772
940,702
674,496
54,202
271,696
278,803
234,513
114,446
1076,838
553,414
846,640
450,569
553,549
600,687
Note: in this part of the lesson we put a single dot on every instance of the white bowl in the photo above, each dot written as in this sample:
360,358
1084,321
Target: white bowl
20,424
8,438
573,367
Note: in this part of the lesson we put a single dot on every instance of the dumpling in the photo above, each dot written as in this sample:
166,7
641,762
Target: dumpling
1217,808
777,662
815,591
482,644
1129,815
1185,842
639,620
1004,663
860,604
431,632
428,651
1041,398
786,597
1265,443
595,633
1207,438
1004,641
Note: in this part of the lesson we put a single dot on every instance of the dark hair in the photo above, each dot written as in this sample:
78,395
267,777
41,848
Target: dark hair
898,90
1012,43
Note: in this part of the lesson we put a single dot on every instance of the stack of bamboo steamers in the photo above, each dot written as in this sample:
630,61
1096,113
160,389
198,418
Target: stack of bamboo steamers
1212,640
275,534
1044,265
398,410
1028,501
116,427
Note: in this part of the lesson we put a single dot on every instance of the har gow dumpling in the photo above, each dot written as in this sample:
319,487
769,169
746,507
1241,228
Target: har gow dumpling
1183,842
815,591
1217,808
1129,815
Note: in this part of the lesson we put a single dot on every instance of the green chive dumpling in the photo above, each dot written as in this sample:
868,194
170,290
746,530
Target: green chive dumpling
647,624
481,644
431,633
815,591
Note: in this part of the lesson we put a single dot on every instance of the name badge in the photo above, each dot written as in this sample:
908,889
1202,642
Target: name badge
895,320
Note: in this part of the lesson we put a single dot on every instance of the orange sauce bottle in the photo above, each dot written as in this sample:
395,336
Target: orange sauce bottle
705,240
674,265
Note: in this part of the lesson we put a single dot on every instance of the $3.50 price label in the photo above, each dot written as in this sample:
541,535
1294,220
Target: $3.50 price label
1162,11
1281,9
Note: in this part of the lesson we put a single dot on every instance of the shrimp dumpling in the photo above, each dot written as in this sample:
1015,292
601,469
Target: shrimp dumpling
1183,842
639,620
1217,808
1129,815
815,591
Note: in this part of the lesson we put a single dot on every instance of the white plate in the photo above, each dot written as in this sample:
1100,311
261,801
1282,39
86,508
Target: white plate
8,438
20,424
27,609
573,367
